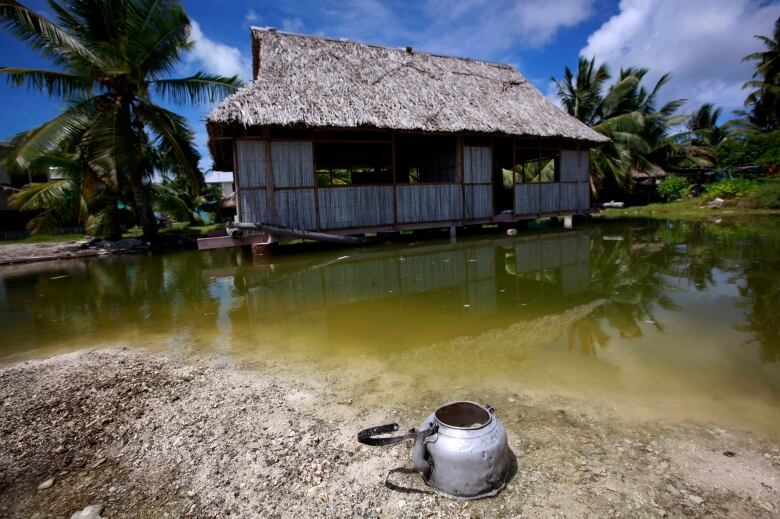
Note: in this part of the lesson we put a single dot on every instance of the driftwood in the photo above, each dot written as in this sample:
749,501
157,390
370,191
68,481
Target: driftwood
296,233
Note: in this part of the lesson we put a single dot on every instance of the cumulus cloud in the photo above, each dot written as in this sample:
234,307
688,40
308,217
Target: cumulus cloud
217,58
701,42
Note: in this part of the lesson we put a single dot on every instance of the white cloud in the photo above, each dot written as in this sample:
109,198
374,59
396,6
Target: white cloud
475,28
701,42
251,17
292,24
217,58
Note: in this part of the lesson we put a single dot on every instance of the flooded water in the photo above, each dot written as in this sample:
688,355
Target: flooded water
659,320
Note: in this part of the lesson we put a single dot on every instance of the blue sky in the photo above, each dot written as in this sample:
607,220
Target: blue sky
700,42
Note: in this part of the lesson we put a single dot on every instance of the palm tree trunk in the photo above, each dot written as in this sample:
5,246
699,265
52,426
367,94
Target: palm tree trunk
143,209
114,230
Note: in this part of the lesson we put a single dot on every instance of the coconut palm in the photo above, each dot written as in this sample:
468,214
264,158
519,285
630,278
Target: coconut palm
703,124
583,97
111,57
764,99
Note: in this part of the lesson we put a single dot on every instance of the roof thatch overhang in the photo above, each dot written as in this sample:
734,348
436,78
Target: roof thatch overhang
313,82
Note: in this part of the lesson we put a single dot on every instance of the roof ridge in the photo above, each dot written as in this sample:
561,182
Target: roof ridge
274,30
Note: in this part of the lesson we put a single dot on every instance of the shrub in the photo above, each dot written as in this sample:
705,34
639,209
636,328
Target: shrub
768,194
733,188
673,188
758,148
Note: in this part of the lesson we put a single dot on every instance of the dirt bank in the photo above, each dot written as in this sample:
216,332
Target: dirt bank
148,436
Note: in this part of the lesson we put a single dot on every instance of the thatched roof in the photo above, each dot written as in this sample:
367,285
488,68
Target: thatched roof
319,82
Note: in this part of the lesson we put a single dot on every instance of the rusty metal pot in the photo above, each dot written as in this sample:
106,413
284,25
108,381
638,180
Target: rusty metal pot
460,450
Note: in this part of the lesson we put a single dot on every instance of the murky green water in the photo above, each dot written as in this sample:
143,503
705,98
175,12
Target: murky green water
661,320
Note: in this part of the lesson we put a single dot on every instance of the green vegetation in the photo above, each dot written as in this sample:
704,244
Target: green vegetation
740,197
111,58
673,188
731,188
756,148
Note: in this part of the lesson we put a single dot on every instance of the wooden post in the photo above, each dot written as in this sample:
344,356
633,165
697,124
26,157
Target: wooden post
395,184
270,196
459,159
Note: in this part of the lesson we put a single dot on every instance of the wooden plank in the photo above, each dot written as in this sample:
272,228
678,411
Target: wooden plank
357,206
251,163
292,163
429,203
220,242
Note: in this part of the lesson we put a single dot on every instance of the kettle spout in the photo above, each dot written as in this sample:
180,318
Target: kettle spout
420,451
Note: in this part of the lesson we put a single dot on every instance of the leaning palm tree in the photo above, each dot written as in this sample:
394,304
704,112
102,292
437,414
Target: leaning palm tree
110,58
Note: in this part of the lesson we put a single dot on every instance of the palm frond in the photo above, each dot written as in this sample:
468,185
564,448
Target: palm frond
199,88
43,35
56,84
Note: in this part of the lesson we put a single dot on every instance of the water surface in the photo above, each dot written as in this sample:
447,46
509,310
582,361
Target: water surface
659,320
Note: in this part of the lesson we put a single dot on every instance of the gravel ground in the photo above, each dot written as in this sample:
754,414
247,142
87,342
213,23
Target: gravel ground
141,435
31,252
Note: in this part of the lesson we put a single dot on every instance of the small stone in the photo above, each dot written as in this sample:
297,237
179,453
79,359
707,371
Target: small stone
90,512
769,507
46,484
693,498
191,493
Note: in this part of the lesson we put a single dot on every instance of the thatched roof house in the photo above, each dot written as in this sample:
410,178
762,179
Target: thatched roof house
429,139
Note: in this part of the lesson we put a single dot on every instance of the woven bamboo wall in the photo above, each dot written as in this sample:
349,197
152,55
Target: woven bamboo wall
527,199
365,206
295,208
548,199
293,164
252,205
429,203
479,202
569,197
292,169
477,164
251,163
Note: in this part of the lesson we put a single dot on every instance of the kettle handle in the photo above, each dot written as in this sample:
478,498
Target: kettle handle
367,436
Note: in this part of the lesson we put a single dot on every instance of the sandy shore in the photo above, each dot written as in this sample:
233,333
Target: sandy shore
141,435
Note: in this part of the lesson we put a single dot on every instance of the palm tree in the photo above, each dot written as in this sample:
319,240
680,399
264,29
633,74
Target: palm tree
584,99
111,56
703,124
764,99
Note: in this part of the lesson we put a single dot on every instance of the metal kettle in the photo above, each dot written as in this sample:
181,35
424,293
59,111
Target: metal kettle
460,450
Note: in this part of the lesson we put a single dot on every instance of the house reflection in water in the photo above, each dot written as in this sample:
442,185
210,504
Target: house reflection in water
415,295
